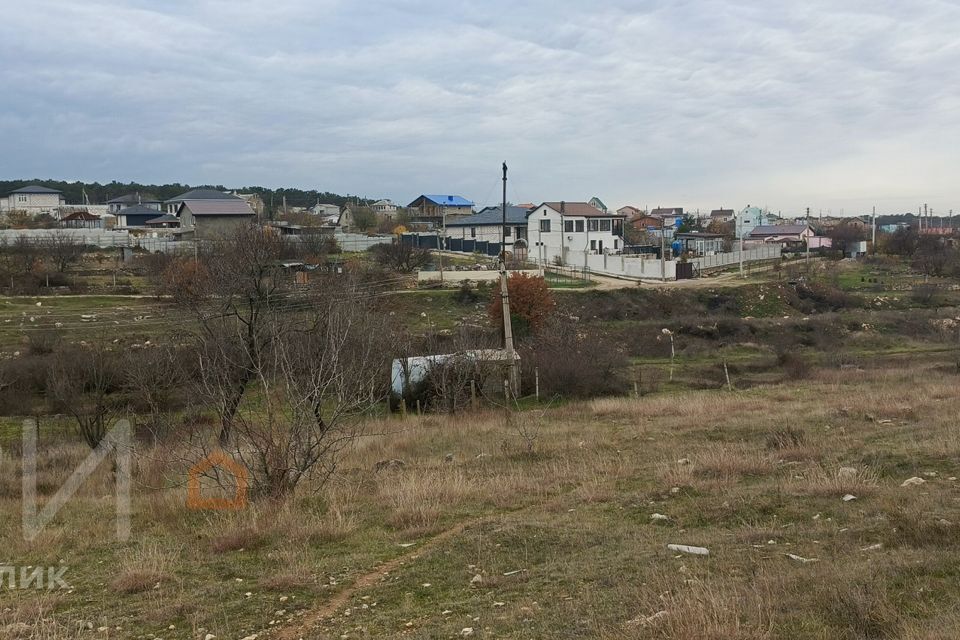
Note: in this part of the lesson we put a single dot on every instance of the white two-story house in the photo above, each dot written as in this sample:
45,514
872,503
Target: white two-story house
33,199
568,231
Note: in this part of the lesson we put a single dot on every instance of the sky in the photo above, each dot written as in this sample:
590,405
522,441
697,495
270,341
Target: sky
836,106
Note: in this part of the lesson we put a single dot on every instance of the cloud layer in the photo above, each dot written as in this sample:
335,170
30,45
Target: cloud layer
696,103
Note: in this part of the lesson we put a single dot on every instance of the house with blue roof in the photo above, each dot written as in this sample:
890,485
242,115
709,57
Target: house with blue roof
434,208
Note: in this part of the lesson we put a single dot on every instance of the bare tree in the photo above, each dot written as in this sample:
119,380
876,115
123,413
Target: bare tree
400,256
85,383
289,371
25,253
63,249
317,367
153,266
231,292
153,378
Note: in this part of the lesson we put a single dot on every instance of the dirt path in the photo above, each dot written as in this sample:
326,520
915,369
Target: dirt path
313,617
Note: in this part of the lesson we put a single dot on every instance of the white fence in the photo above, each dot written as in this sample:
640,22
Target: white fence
360,242
163,245
473,276
765,252
102,238
649,267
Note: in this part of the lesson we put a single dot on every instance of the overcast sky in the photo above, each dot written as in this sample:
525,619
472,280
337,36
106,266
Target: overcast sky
697,103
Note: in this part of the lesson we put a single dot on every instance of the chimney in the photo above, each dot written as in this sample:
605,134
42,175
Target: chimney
563,207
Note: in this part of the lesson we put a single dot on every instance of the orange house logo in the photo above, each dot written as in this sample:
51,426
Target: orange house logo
216,460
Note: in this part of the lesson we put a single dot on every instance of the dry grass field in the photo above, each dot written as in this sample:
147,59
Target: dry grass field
541,525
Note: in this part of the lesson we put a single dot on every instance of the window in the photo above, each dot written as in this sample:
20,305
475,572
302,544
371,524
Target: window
604,225
21,198
568,226
544,226
579,226
473,232
616,244
593,245
506,232
593,225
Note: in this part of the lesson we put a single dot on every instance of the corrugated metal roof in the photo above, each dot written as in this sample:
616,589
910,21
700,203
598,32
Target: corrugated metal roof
445,200
139,210
35,188
164,219
204,194
778,230
134,198
234,207
491,216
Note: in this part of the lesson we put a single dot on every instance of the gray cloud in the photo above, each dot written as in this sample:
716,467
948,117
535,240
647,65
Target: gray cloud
697,102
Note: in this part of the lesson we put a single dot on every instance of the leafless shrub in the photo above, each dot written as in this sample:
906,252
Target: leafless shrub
926,294
400,256
63,249
85,383
574,362
526,427
154,378
794,365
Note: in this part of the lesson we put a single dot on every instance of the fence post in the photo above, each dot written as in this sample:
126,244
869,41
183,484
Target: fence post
536,382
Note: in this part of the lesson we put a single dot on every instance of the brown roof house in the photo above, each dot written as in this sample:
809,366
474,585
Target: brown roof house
82,220
569,231
784,234
629,211
214,218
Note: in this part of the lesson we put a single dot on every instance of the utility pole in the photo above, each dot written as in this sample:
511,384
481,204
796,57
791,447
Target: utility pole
874,242
807,261
442,242
740,233
663,250
514,379
563,251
